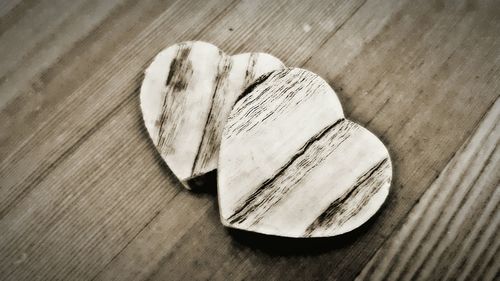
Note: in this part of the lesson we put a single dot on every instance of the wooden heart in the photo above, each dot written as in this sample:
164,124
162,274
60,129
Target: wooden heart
186,96
291,165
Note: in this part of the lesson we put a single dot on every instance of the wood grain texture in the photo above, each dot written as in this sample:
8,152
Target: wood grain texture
291,165
186,96
452,232
83,194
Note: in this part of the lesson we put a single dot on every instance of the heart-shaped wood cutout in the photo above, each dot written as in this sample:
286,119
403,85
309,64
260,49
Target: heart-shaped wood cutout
291,165
186,96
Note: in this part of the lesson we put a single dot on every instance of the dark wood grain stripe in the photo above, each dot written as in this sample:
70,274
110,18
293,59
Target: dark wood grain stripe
186,116
253,85
354,199
253,110
250,71
209,144
312,153
179,75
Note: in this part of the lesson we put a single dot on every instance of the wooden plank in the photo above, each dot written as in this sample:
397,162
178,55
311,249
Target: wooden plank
87,108
84,195
89,206
44,46
144,255
51,225
23,37
418,158
240,263
452,232
77,123
422,111
7,6
10,11
50,87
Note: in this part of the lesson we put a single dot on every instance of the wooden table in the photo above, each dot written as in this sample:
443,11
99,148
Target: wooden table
84,195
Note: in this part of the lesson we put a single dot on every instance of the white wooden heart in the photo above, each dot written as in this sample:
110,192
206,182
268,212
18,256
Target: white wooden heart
186,96
291,165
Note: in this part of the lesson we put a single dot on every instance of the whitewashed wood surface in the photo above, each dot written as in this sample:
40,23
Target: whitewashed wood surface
292,165
85,196
186,96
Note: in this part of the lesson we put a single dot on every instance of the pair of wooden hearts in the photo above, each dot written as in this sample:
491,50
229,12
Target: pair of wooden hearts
288,162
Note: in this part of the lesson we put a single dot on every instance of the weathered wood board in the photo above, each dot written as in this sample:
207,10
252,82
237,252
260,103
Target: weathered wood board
84,194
